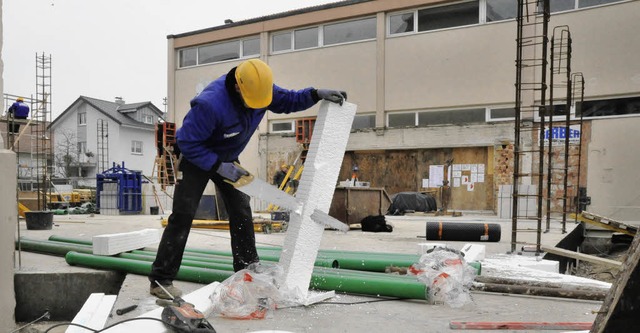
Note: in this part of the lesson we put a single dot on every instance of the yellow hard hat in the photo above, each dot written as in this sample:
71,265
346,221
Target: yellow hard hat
284,166
19,99
255,80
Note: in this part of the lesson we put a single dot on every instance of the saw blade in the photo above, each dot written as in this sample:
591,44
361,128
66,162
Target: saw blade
260,189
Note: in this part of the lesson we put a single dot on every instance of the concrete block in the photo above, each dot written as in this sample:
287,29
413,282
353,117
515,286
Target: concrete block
473,252
111,244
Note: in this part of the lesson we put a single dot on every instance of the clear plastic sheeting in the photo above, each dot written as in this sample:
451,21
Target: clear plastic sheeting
253,293
447,275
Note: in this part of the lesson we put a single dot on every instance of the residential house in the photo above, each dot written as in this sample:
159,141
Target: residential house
92,135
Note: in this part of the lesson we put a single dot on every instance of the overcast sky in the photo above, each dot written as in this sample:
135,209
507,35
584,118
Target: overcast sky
108,48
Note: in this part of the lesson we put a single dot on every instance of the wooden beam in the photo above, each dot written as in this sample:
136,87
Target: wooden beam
581,256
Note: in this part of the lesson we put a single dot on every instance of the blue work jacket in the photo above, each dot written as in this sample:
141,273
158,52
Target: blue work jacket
19,109
218,126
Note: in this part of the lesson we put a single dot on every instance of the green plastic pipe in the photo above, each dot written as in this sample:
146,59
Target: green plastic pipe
71,240
321,281
186,273
320,261
185,262
50,247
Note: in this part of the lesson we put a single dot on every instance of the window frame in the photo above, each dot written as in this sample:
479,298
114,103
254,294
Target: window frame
240,51
291,122
134,147
82,119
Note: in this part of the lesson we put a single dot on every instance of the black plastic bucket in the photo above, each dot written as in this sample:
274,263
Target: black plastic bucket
154,210
39,220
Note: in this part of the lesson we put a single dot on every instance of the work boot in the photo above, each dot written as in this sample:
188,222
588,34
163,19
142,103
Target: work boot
157,291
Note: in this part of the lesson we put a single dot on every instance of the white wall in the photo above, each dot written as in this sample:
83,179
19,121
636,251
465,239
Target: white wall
122,150
8,222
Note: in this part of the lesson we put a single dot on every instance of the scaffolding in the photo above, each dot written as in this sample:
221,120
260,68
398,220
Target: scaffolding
41,139
165,162
531,87
102,132
558,137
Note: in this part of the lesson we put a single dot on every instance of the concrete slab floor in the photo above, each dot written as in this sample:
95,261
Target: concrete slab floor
344,313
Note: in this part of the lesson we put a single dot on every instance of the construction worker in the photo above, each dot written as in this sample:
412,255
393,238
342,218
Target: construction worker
18,110
222,119
278,178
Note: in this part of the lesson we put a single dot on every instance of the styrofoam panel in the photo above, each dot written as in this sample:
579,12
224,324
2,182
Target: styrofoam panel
111,244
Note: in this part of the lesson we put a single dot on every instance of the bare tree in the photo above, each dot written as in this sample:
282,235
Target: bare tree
66,153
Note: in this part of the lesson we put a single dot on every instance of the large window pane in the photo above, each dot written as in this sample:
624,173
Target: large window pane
281,42
610,107
562,5
448,16
350,31
402,119
363,121
400,23
188,57
472,116
219,52
498,10
250,47
305,38
503,113
589,3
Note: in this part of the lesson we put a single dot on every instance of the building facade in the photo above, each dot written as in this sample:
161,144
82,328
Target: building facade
434,85
92,134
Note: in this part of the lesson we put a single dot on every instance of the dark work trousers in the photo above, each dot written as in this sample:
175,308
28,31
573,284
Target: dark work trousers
14,127
185,203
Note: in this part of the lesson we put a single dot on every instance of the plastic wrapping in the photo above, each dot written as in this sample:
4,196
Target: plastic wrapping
252,293
447,275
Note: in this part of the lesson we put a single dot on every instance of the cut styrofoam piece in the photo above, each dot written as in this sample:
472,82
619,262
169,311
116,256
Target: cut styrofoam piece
94,313
424,247
325,219
473,252
315,191
201,299
315,297
110,244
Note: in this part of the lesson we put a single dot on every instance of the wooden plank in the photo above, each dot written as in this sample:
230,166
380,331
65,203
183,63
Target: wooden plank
581,256
512,325
619,311
606,223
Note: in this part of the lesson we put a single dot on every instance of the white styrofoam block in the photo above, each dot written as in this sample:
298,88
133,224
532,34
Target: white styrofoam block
94,312
201,300
424,247
110,244
473,252
317,184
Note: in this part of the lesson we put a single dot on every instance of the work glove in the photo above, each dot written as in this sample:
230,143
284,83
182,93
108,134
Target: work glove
231,171
332,95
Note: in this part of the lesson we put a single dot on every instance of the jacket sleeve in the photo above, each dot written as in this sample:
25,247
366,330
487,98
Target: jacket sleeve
197,127
287,101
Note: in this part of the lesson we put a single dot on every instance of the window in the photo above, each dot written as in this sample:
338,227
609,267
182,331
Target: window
452,117
136,147
251,47
562,5
281,42
502,114
402,119
282,126
590,3
351,31
305,38
82,147
147,119
498,10
401,23
609,107
82,118
363,121
228,50
448,16
188,57
218,52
